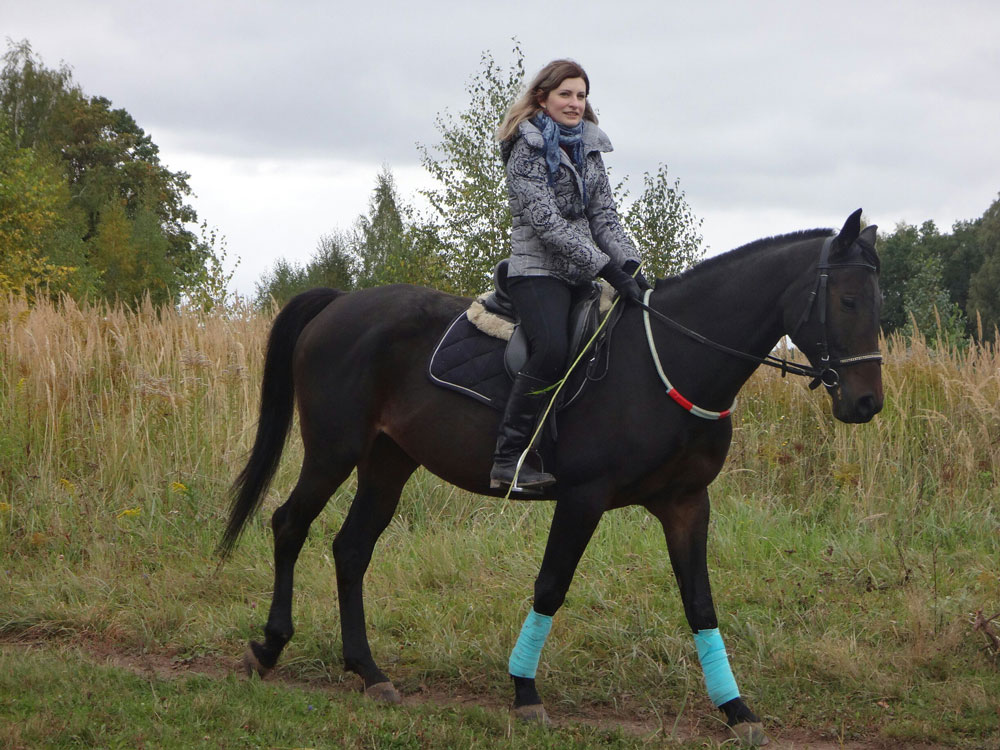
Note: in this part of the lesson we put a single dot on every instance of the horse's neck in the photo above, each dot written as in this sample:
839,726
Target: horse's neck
739,304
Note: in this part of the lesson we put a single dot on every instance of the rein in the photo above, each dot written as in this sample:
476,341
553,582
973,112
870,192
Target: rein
826,374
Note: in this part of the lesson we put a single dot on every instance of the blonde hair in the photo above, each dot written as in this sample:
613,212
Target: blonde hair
547,80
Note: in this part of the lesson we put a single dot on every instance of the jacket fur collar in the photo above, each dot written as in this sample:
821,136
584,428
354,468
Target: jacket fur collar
594,139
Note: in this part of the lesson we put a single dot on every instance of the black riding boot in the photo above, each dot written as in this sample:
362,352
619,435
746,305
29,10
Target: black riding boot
519,423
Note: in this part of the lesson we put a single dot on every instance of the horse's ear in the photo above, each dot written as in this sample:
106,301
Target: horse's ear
866,241
851,230
868,234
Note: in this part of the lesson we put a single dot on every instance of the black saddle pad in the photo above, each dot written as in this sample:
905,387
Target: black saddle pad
470,362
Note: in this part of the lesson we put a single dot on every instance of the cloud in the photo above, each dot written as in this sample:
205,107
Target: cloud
785,112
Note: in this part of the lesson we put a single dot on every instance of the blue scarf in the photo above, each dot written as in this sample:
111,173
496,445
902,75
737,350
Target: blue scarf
555,136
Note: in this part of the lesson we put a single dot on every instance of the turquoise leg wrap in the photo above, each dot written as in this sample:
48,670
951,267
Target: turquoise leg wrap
715,665
524,657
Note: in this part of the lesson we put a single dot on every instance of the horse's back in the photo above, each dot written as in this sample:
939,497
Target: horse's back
363,323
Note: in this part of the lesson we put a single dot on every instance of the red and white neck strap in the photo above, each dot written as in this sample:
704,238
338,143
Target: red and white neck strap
671,391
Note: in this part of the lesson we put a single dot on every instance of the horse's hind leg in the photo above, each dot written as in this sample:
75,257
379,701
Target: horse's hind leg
381,476
290,524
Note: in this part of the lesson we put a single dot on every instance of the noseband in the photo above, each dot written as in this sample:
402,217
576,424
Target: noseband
827,371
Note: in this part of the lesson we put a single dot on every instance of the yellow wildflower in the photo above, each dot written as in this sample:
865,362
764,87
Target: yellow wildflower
129,512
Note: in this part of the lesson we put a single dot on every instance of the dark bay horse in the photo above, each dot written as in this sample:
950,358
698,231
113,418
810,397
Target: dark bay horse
356,366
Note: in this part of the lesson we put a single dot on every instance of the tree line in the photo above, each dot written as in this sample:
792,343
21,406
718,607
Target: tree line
934,280
87,209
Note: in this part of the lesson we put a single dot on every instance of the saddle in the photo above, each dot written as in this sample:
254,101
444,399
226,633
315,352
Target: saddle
484,347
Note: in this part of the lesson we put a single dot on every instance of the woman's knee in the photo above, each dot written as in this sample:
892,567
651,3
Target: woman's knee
547,364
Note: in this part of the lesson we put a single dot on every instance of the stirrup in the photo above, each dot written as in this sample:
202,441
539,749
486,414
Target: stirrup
515,491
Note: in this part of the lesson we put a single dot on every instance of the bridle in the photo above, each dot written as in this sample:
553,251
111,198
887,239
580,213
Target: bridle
826,374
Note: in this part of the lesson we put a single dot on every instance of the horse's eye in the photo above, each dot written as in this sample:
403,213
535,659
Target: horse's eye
849,303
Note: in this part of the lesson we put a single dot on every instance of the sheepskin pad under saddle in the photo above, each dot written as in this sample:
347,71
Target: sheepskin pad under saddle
484,347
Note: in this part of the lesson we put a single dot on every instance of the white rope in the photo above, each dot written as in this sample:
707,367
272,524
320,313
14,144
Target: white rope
671,391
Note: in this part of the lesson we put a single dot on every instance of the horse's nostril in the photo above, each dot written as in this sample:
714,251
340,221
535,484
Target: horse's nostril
868,406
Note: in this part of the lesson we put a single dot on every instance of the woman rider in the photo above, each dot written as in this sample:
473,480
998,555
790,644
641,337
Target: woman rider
565,232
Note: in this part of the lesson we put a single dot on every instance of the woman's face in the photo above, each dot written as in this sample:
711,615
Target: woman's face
567,102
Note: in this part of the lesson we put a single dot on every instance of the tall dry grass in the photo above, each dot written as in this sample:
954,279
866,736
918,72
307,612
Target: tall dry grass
108,414
936,441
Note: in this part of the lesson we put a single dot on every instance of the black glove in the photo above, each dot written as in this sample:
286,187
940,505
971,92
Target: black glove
624,284
629,267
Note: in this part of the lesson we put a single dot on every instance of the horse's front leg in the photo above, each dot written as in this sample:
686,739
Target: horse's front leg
573,524
685,525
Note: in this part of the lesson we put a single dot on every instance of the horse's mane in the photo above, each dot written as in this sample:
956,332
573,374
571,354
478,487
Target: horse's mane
749,249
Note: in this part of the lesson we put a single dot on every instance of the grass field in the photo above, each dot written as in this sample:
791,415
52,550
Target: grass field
847,564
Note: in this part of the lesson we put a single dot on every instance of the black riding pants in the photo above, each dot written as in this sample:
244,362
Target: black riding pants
542,304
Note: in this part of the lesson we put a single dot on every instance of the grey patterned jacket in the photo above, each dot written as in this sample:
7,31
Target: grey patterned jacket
551,233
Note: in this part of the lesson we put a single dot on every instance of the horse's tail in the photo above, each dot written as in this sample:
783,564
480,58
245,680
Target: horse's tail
277,402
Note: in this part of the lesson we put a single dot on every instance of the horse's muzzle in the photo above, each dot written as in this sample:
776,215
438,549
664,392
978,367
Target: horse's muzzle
858,410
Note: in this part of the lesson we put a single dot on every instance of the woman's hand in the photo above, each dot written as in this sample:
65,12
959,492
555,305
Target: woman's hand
631,268
624,284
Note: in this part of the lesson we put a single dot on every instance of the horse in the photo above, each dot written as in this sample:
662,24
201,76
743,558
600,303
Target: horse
355,364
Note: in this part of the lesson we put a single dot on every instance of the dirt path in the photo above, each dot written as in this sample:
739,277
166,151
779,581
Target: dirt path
165,666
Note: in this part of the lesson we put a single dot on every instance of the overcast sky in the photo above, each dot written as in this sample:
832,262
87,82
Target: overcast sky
775,115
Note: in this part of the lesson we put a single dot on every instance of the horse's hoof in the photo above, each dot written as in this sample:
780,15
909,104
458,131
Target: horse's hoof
750,733
252,665
384,692
533,714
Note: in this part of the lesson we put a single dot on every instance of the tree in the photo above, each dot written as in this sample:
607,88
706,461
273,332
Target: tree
209,289
471,218
112,254
280,284
389,249
912,283
664,227
962,254
381,237
37,243
30,94
109,164
984,302
984,286
928,308
110,160
332,265
384,247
